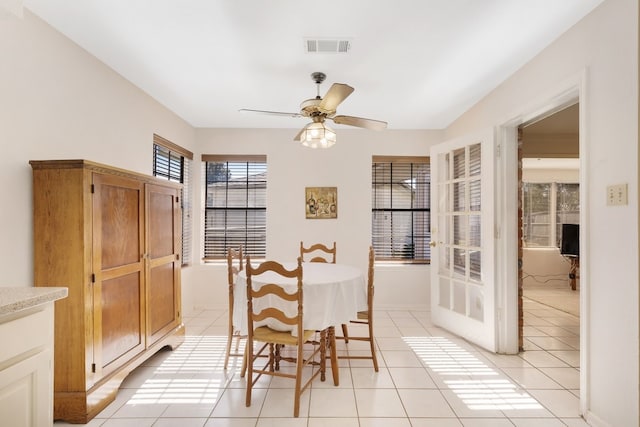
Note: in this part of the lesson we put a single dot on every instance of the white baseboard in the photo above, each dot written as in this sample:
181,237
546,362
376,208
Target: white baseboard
400,307
389,307
594,421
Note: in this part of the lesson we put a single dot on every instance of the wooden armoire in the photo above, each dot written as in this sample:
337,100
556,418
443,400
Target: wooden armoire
112,237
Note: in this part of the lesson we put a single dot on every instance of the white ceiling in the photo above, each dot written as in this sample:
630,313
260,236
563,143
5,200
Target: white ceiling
417,64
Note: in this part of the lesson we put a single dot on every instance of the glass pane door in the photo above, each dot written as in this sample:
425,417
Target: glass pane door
462,264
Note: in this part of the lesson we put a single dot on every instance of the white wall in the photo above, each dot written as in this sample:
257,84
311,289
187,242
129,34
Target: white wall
551,170
57,102
291,168
603,47
544,267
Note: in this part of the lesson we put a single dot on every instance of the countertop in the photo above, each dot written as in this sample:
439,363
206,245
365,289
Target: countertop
14,299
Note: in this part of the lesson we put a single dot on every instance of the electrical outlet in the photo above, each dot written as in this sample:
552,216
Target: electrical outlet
617,195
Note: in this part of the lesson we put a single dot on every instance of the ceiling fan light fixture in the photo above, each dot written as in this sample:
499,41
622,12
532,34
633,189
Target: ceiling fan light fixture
318,135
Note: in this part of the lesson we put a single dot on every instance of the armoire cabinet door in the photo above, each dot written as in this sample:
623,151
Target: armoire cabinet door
164,247
118,265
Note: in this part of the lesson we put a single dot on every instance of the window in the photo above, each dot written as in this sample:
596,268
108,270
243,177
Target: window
236,205
401,213
173,163
546,206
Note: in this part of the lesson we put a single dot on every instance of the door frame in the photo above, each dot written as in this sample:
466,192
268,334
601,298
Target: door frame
568,92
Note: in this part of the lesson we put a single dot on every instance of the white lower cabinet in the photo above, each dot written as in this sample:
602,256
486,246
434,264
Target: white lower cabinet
25,392
26,367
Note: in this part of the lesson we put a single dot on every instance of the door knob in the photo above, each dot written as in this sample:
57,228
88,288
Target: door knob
432,244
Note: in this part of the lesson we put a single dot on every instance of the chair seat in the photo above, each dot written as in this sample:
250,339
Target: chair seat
266,334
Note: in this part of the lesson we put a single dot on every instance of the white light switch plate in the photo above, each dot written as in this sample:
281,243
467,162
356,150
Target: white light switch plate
617,195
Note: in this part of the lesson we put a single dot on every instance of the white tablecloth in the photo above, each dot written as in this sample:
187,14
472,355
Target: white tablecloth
332,294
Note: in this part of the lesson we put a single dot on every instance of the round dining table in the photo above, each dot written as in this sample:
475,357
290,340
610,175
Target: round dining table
332,295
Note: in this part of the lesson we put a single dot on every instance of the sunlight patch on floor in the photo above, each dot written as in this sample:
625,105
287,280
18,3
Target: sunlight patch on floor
172,391
477,385
174,379
209,356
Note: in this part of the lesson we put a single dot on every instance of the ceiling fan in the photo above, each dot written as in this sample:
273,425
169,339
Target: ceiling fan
317,133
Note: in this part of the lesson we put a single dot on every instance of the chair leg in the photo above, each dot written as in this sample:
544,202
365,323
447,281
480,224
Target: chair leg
373,347
248,355
345,333
334,356
272,357
299,363
323,355
277,356
243,371
229,339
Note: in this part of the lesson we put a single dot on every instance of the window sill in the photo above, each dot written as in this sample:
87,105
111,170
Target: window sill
400,265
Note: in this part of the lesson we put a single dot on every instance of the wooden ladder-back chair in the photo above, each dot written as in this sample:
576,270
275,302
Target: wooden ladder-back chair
234,332
365,318
319,252
272,340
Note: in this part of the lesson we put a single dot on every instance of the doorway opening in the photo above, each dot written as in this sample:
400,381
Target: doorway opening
548,217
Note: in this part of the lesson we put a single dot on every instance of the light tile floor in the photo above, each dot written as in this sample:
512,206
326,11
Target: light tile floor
427,377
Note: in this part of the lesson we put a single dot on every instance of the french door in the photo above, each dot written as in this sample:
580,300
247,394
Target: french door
462,238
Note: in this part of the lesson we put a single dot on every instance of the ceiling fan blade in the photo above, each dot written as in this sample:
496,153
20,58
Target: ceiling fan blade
337,93
360,122
271,113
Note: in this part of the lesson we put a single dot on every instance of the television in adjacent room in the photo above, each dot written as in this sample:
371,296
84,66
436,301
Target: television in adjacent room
570,245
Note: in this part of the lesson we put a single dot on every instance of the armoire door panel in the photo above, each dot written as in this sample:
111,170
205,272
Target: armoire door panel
161,206
162,298
122,328
120,212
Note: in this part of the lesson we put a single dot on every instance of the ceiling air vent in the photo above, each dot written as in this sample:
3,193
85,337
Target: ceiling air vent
327,45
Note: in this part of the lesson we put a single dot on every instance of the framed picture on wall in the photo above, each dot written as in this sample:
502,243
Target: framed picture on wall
321,202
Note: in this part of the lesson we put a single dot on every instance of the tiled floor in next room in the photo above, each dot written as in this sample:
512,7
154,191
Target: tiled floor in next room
427,378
